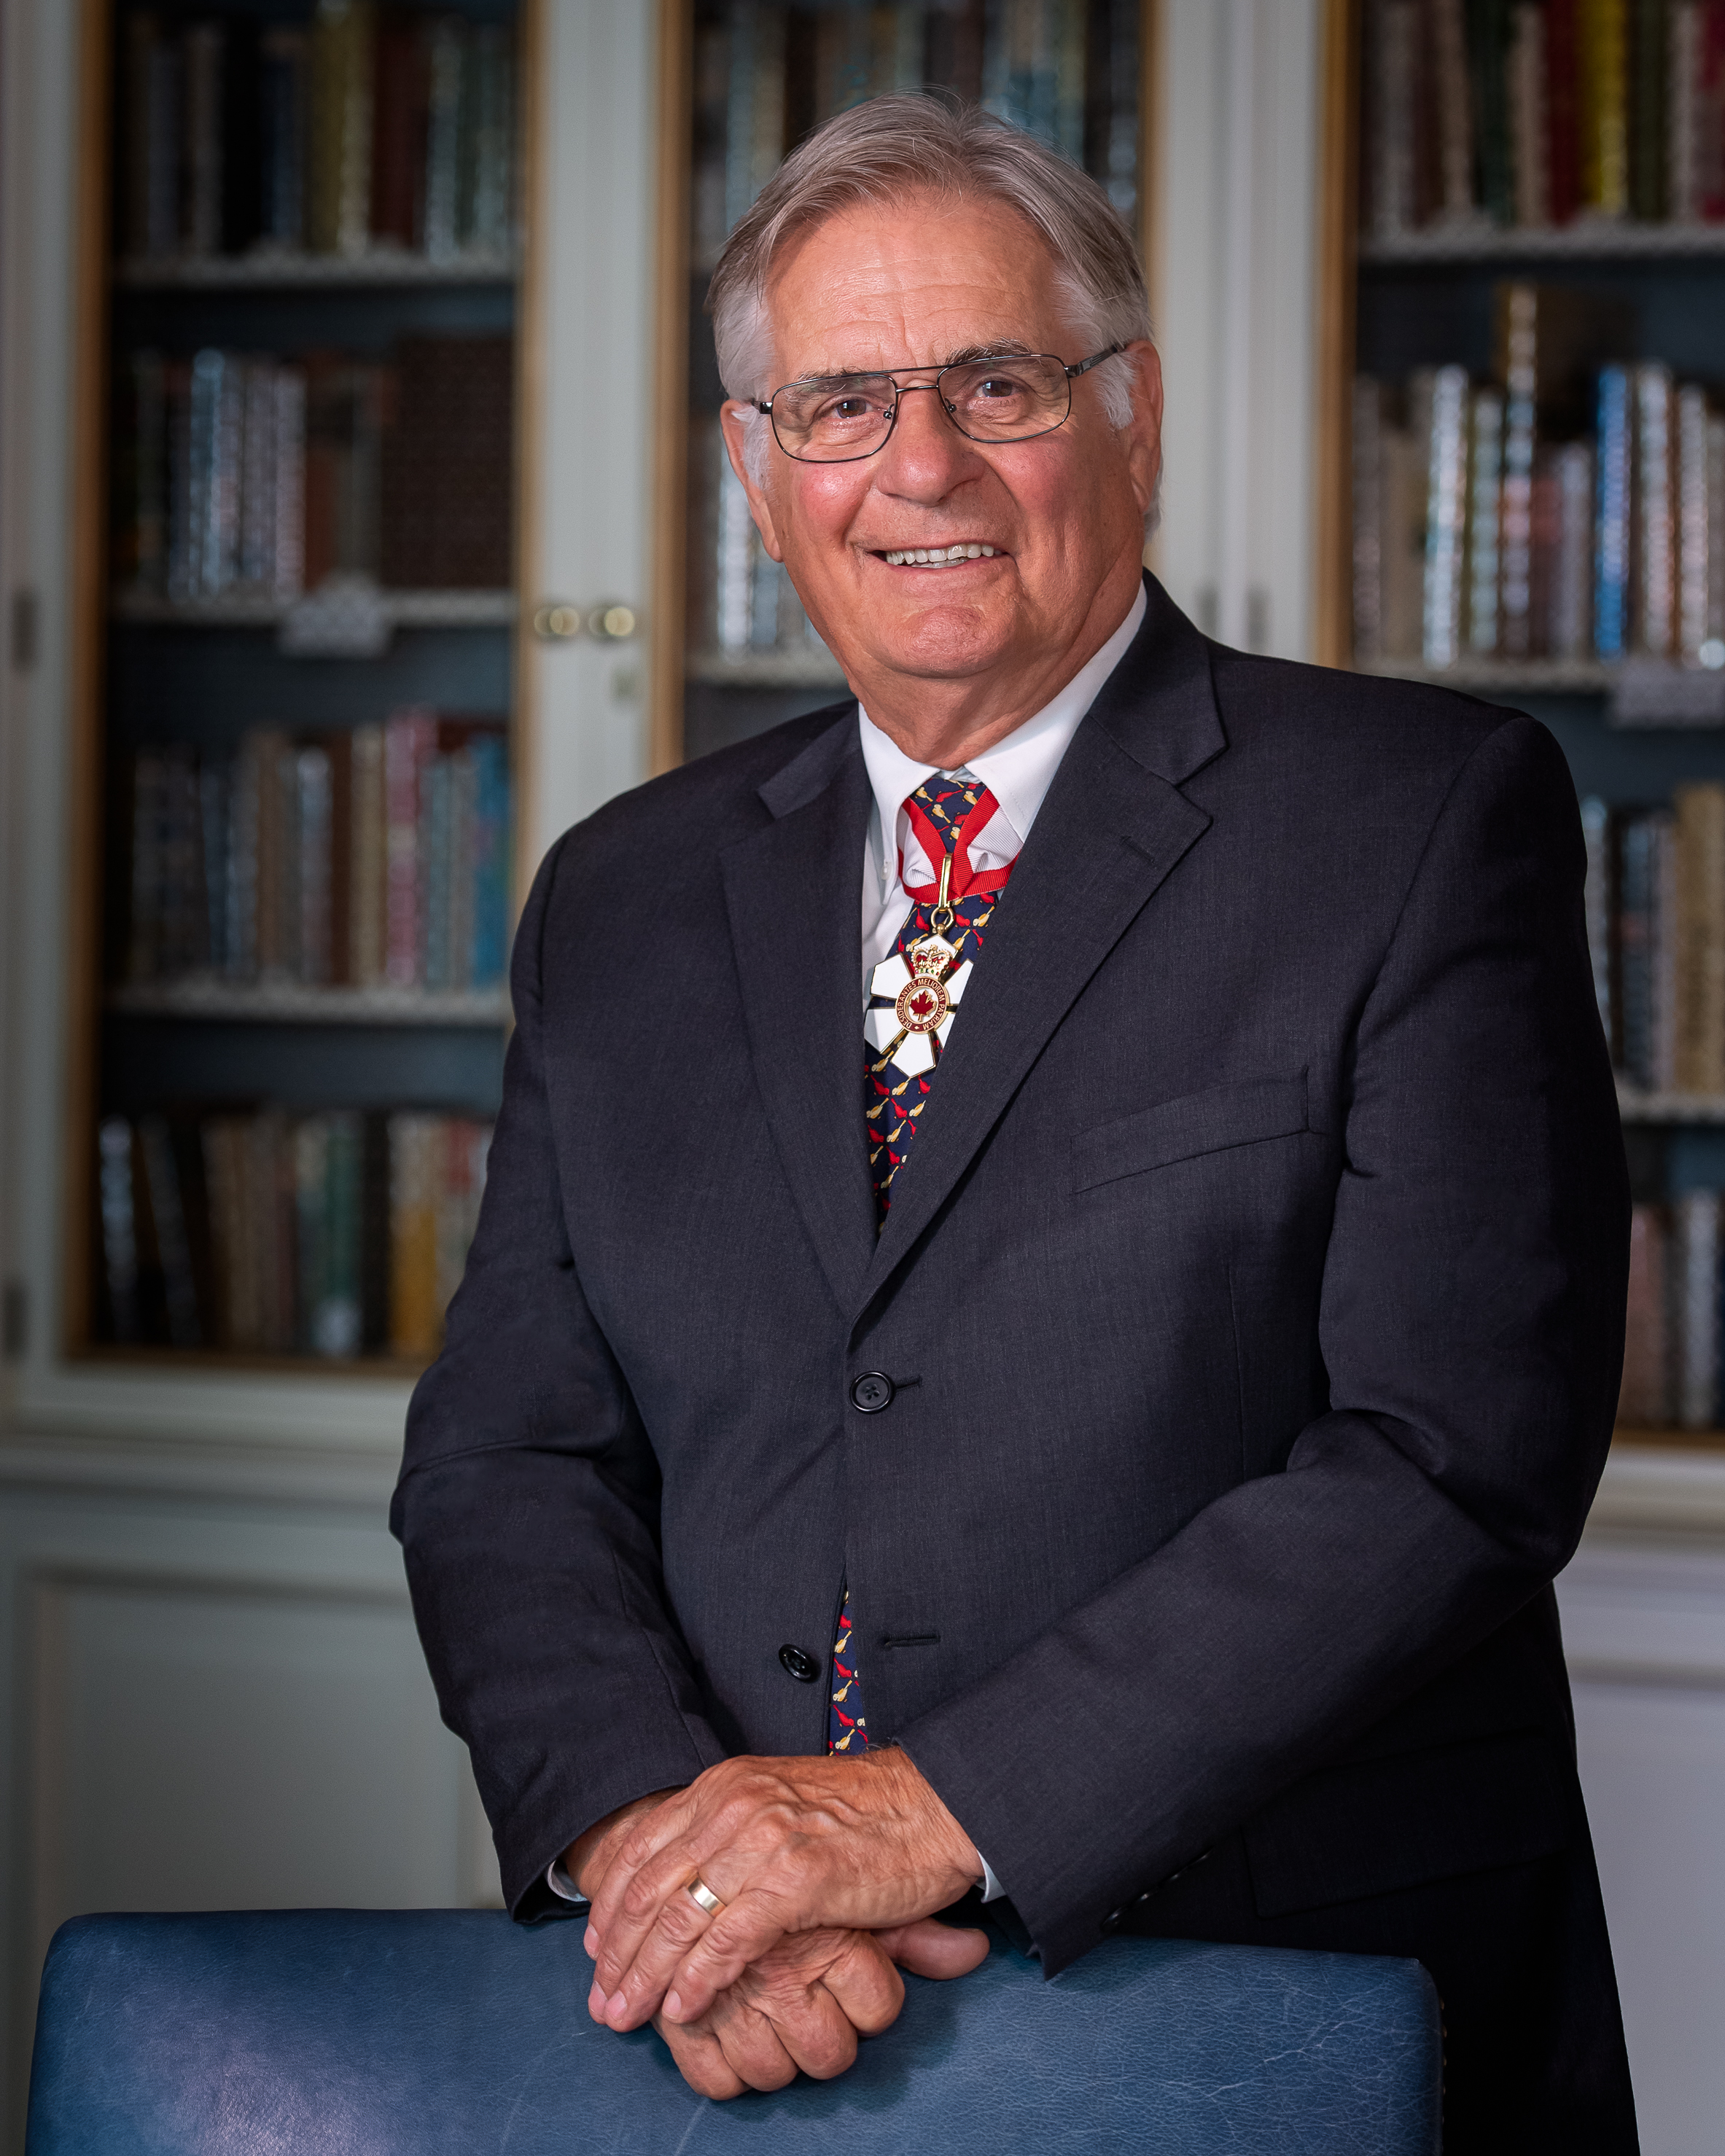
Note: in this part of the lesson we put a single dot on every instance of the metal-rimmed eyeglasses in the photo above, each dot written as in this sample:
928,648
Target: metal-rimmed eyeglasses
1002,396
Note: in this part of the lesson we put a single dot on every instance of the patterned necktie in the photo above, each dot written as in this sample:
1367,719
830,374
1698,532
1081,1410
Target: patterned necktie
915,990
911,1013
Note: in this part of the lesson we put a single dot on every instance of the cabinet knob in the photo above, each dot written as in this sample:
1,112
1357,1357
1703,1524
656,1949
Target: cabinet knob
611,622
557,622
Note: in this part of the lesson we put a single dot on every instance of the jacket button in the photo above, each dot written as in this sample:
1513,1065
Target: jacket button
803,1667
872,1392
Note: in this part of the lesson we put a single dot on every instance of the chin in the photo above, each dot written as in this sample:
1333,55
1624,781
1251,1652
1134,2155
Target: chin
941,640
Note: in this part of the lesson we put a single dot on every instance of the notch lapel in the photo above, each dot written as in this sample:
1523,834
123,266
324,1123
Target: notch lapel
793,895
1084,876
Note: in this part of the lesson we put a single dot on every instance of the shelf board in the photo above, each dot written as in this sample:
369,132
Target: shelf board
250,1362
1636,1107
1529,676
765,670
286,269
450,609
290,1002
1682,1440
1593,240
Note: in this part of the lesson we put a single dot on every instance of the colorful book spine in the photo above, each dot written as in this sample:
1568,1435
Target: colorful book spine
1699,932
1482,548
1446,516
1604,84
410,743
1530,136
1645,1401
1694,539
1695,1295
1653,522
1612,528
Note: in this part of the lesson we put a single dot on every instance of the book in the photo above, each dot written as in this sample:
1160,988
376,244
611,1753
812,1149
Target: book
1446,516
1615,479
399,123
1694,540
118,1231
445,62
1571,634
487,150
415,1312
1489,24
1645,1401
1392,32
1699,937
283,130
1563,103
1530,140
410,745
366,903
1653,523
446,520
179,1290
1482,551
1695,1302
1603,105
1454,107
1519,372
343,52
1649,59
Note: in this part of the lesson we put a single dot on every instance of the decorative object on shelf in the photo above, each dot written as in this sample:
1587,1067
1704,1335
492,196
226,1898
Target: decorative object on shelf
337,1234
360,135
1671,1374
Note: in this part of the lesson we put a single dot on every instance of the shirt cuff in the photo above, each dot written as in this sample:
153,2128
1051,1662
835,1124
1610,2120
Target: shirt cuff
992,1890
558,1880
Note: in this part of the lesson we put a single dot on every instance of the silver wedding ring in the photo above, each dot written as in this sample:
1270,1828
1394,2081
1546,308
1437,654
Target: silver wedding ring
703,1895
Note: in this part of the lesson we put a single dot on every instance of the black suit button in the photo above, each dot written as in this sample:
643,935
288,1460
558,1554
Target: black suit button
803,1667
872,1392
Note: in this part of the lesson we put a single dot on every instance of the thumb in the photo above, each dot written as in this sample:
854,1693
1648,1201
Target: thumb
927,1948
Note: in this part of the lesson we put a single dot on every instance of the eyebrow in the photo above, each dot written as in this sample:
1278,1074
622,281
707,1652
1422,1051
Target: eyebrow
999,348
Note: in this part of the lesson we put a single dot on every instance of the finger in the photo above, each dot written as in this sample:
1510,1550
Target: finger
751,1927
659,1886
625,1902
701,2061
814,2031
751,2044
928,1948
639,1993
868,1991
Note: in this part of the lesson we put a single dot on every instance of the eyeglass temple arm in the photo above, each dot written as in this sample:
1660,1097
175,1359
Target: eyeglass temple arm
1084,366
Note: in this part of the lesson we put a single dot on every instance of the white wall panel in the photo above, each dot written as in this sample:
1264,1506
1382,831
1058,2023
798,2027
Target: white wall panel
1235,204
1645,1631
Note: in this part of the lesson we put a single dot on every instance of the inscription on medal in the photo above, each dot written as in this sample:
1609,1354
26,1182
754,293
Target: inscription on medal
922,1004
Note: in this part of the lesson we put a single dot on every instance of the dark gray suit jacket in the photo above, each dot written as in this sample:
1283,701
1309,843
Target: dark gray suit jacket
1253,1298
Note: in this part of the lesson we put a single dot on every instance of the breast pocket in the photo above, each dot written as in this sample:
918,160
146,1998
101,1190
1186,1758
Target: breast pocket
1211,1121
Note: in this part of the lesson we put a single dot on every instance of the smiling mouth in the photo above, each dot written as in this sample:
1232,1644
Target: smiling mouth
936,558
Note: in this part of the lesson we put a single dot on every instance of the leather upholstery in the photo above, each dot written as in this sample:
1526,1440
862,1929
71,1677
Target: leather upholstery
349,2033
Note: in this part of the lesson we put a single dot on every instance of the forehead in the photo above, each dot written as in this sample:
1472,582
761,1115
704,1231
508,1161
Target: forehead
910,283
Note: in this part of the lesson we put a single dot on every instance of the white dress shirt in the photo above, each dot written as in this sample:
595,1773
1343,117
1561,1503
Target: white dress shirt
1018,771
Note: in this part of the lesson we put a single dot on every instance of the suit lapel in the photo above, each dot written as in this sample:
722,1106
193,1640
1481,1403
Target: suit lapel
1085,873
793,893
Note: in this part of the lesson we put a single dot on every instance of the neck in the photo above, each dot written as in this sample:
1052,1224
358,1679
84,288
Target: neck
946,720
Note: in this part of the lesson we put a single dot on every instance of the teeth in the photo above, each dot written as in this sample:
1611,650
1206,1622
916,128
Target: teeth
937,557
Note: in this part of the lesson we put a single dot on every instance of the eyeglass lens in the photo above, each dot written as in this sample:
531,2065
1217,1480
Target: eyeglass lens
990,400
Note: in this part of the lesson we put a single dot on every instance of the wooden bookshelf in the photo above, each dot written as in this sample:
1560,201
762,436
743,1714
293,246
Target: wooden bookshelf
151,670
1390,302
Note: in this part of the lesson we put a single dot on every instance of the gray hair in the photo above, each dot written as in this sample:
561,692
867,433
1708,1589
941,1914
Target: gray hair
916,143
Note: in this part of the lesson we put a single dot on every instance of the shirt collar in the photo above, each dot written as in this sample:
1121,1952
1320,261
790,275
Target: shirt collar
1019,770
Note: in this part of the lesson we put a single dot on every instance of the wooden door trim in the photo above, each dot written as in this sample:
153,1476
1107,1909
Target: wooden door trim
1337,261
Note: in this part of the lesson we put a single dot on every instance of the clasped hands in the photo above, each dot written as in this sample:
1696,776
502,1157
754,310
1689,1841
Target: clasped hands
829,1870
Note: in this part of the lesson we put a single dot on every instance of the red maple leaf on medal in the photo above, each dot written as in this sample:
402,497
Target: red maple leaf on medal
913,1012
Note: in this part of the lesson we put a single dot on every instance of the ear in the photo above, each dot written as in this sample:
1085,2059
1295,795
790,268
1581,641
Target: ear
1144,435
734,419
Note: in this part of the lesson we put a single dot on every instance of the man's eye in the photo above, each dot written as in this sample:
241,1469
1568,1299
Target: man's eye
999,385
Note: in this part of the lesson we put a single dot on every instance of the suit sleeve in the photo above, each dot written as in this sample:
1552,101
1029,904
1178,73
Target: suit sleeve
1471,1322
528,1513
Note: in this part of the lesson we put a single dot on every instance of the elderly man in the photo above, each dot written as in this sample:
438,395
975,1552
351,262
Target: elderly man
1049,1298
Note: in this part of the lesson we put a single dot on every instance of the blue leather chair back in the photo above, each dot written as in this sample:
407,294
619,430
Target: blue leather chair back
351,2033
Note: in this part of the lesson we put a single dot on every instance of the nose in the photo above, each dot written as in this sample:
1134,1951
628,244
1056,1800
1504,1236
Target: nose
926,456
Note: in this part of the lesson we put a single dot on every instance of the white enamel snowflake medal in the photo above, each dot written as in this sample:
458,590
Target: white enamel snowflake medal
917,998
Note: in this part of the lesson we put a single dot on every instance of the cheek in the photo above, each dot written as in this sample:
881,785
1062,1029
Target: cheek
822,500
